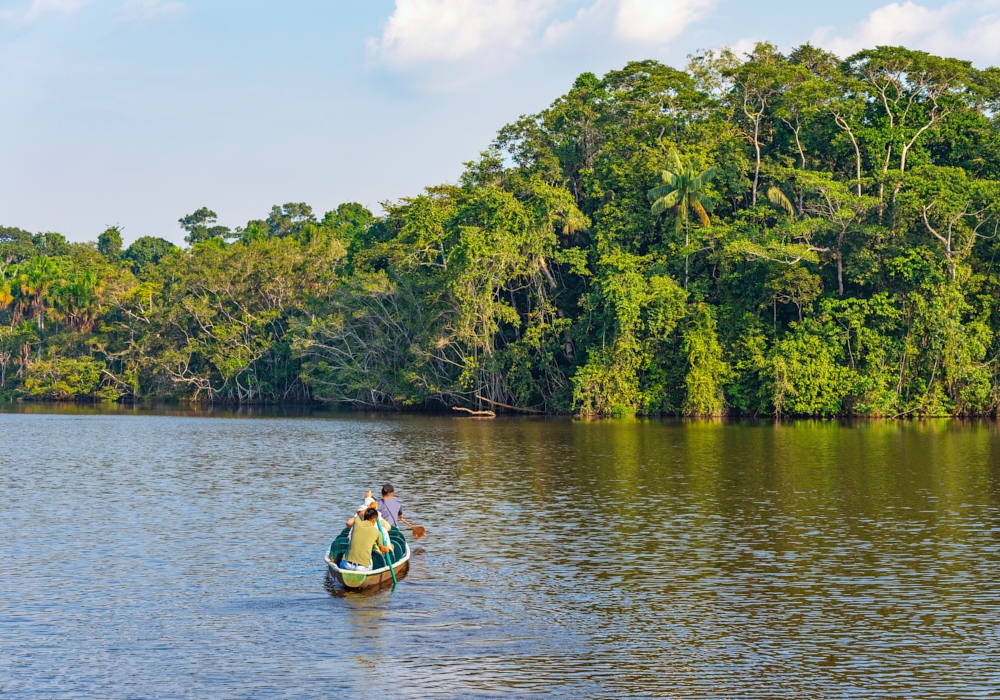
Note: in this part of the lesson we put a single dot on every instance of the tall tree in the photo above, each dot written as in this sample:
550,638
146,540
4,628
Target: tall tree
148,250
683,191
908,92
757,85
109,243
201,226
289,219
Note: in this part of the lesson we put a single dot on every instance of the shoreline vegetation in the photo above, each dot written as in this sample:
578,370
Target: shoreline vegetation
757,235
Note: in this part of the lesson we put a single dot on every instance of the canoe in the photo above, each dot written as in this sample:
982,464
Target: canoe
380,573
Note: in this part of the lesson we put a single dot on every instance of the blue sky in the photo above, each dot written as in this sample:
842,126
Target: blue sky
136,112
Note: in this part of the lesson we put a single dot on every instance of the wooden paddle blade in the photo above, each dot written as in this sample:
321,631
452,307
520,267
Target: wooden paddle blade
419,531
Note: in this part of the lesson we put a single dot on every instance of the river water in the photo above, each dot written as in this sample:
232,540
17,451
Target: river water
179,555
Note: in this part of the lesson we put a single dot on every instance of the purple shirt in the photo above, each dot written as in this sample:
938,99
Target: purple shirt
391,510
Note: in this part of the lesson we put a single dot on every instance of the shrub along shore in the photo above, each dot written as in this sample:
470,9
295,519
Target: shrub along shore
764,234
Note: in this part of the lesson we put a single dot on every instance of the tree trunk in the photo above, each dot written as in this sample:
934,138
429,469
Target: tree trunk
842,123
687,256
756,172
840,263
857,156
840,272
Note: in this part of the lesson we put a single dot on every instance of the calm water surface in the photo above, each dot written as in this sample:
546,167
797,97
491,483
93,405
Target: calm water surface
180,556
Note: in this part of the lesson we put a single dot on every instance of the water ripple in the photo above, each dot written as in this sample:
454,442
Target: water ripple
177,556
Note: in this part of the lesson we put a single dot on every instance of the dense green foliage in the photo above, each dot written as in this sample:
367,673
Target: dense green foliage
765,235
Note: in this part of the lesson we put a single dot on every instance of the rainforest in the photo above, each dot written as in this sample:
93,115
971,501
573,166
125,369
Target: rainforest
758,235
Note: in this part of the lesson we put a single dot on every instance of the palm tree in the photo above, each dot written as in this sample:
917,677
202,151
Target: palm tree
34,278
77,300
6,296
682,191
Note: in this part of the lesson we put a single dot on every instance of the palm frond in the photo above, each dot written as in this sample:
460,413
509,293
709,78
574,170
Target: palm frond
700,212
661,191
666,202
669,177
780,201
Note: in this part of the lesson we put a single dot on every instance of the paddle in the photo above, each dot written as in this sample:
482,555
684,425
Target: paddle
388,558
418,530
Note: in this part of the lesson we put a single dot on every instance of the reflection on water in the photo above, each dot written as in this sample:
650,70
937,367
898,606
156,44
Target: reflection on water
181,556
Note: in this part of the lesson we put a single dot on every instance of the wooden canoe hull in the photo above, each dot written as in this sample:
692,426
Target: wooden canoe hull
368,579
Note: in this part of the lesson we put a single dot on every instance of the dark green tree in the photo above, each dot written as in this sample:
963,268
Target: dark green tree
201,226
109,243
15,244
148,250
352,224
51,244
289,219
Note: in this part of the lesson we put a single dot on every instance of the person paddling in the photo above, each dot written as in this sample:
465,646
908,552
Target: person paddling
392,511
364,536
389,507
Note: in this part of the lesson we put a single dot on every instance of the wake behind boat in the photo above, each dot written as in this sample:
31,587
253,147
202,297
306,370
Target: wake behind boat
380,572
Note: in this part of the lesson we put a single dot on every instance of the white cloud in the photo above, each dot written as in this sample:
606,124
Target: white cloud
422,31
656,22
963,29
470,36
149,9
40,7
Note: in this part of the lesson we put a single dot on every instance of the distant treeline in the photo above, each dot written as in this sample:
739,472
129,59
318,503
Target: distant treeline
756,235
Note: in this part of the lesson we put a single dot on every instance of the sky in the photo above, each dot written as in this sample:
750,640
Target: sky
137,112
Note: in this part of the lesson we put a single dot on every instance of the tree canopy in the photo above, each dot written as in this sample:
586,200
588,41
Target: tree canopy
758,234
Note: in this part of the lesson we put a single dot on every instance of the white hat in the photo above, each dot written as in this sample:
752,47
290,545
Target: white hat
367,504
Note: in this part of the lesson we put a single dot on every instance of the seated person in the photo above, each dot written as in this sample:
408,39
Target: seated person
363,507
364,537
383,524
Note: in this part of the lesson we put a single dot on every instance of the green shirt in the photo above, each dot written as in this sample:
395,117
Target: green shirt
363,538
